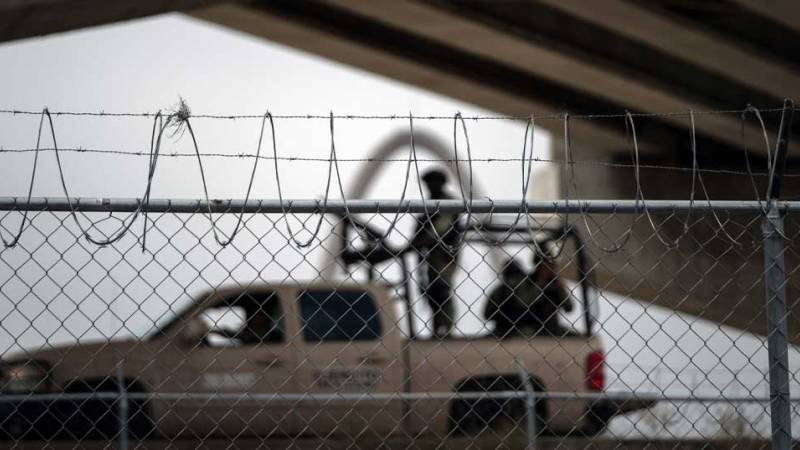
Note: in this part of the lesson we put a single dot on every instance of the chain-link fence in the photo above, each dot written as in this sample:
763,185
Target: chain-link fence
405,323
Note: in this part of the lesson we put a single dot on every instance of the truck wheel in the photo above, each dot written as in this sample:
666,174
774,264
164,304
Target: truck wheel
28,420
99,418
473,416
597,418
465,418
15,428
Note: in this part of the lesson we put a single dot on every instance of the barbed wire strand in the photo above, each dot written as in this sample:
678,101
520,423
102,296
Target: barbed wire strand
290,233
394,160
567,170
528,176
669,244
439,240
775,162
115,236
427,214
772,162
419,177
714,214
181,122
155,151
617,244
525,183
403,193
360,230
466,199
693,191
85,231
388,116
182,117
142,208
15,239
567,179
177,119
757,114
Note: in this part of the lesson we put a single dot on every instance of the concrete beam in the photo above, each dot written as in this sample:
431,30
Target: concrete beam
636,94
786,12
273,27
28,18
698,46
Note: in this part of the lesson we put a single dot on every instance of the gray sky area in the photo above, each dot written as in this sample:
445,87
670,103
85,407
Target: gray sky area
147,64
144,65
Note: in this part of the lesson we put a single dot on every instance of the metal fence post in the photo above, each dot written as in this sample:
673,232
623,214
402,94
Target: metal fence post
530,406
122,409
774,280
775,288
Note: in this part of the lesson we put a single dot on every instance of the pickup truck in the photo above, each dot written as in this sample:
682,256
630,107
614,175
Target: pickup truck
318,359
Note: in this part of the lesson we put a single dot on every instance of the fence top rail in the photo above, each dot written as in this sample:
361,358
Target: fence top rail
87,204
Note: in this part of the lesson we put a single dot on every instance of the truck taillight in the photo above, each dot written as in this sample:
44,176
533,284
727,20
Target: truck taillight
595,377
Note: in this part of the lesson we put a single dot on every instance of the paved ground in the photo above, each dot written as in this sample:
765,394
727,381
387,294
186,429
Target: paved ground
459,444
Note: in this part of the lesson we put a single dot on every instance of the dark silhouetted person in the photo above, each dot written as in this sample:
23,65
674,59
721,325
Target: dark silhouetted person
551,297
528,304
262,321
505,308
437,240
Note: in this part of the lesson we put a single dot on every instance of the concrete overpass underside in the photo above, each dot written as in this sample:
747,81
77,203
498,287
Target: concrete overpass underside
555,56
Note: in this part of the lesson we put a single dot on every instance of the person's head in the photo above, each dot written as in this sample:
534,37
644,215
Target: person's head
435,180
260,324
512,271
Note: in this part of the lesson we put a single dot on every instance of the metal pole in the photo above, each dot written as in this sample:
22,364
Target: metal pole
122,409
775,280
530,406
775,286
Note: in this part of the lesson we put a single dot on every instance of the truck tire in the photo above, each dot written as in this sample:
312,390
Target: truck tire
473,416
26,420
597,417
99,418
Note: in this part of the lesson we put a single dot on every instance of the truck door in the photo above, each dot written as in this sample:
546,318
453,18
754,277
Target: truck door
227,378
351,351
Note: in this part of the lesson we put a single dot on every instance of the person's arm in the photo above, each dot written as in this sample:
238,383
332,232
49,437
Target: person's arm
375,251
556,291
563,298
423,237
492,303
568,304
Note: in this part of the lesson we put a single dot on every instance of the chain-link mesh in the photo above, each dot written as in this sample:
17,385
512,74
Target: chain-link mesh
438,328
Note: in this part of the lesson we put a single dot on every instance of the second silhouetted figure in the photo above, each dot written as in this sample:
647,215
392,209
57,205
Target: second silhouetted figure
437,240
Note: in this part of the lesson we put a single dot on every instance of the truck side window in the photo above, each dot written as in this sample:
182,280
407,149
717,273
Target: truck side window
248,318
331,316
221,320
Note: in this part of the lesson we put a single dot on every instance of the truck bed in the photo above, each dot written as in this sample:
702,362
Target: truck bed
554,364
